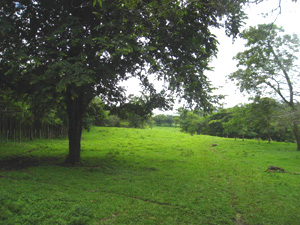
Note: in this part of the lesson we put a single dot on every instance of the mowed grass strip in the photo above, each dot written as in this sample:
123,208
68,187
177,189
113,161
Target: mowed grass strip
151,176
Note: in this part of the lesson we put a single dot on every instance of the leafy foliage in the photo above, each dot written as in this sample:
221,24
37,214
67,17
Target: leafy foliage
238,125
270,60
19,121
164,120
191,122
263,119
270,64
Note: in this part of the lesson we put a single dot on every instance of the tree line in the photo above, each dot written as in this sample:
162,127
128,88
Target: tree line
264,118
20,121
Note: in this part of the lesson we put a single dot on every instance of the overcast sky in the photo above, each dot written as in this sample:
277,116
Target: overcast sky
223,65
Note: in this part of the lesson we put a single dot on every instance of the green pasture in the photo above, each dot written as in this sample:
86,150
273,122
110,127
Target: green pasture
150,176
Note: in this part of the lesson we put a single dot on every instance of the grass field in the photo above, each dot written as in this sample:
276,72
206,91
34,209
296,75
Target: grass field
151,176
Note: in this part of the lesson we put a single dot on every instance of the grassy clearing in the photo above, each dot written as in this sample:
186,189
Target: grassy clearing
154,176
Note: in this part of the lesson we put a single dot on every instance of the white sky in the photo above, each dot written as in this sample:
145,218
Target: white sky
223,65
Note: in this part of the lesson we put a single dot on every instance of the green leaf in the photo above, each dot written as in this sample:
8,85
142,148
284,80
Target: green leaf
97,1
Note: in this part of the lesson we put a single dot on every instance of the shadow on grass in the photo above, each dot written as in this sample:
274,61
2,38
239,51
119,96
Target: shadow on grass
24,162
101,164
110,163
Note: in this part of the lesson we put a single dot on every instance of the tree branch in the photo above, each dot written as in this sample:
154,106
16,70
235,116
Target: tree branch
277,90
286,76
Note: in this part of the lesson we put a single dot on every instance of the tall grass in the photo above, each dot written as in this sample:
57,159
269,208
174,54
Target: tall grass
152,176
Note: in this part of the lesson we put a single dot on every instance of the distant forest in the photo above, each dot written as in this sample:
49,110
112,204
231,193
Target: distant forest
264,118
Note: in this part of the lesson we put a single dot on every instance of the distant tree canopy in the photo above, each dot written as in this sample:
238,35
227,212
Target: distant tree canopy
264,118
164,120
67,52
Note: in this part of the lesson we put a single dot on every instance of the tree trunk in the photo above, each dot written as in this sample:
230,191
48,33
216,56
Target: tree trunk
296,133
269,137
75,113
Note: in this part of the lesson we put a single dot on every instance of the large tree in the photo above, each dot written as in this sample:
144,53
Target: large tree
67,52
269,64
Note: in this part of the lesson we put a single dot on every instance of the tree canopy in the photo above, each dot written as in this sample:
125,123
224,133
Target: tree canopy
264,118
270,64
67,52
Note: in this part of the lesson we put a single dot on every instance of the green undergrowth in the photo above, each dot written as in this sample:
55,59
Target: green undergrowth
151,176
